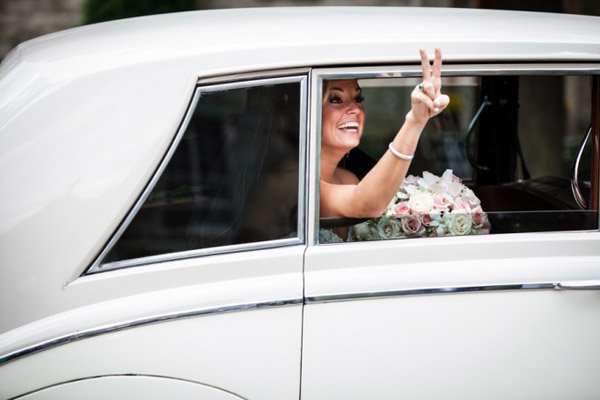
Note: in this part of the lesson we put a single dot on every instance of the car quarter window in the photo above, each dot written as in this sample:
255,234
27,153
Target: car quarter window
232,180
508,155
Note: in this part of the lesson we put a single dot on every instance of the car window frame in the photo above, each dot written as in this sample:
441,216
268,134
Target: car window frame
211,85
318,75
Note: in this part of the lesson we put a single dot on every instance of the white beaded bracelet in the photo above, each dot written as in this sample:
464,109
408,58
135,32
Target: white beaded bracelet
400,155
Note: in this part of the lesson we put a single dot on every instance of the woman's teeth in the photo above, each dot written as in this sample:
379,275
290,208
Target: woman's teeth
350,127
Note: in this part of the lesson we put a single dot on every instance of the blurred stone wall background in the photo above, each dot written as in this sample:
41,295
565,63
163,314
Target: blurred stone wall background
21,20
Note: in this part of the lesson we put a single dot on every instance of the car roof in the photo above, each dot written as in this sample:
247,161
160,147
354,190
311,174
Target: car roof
257,38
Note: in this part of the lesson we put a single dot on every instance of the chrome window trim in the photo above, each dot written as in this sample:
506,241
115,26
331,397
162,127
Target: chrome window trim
315,157
305,163
210,251
251,75
413,71
98,266
85,334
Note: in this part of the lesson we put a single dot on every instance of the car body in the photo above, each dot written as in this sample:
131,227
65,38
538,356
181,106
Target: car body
90,120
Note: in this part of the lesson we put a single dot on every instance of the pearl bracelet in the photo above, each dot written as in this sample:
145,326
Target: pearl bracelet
400,155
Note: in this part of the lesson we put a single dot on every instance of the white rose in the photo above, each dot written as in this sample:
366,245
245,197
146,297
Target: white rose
420,203
459,224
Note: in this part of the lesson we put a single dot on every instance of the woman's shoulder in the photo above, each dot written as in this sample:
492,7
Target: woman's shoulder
345,177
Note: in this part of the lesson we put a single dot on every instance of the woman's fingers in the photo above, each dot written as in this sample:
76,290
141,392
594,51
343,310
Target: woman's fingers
442,101
425,65
437,70
429,89
421,97
427,99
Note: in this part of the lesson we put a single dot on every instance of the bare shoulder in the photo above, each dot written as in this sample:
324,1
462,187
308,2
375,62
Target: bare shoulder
345,177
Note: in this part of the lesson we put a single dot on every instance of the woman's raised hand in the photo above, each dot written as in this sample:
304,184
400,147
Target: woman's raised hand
427,99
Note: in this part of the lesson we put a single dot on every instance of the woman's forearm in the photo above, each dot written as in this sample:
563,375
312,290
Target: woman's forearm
373,193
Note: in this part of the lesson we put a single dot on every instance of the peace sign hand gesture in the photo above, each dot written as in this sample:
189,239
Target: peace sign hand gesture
426,99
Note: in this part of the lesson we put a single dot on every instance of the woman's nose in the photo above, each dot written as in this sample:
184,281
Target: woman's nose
353,108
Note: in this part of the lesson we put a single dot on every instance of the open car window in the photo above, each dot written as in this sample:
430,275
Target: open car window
507,156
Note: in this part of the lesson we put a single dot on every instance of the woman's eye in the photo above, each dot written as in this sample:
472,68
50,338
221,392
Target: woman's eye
359,99
335,100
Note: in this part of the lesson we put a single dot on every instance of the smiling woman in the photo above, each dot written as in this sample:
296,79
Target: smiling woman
342,193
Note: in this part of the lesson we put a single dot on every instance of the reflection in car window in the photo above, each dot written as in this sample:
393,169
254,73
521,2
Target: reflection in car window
511,173
233,178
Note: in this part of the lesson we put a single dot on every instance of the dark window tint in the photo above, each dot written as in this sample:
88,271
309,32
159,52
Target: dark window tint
232,179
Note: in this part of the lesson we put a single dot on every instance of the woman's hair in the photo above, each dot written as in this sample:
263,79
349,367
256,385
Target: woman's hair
327,84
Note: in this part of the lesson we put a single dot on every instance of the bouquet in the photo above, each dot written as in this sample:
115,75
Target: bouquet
428,206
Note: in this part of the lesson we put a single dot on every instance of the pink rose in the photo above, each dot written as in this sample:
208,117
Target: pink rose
461,206
412,225
440,203
478,216
401,208
426,219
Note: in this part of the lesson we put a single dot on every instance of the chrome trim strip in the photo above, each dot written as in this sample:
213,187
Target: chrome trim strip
210,251
250,83
302,170
414,71
225,78
84,334
98,266
279,303
426,291
316,85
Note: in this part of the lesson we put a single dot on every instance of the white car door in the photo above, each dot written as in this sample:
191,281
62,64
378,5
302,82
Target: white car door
509,314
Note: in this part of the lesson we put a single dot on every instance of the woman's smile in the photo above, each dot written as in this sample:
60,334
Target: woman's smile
349,127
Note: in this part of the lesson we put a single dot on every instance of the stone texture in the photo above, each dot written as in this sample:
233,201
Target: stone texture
22,20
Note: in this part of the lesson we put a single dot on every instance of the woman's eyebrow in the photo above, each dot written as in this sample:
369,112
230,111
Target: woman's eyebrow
341,90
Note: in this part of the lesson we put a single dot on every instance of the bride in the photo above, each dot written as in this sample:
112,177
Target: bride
342,193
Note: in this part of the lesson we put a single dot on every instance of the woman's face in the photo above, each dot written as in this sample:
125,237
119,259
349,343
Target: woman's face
343,115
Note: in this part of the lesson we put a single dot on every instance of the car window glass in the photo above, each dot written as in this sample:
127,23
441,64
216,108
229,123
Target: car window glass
511,173
233,178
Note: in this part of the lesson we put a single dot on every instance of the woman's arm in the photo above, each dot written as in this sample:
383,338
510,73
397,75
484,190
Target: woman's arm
370,196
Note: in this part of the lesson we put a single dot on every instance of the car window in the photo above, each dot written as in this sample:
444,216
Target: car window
499,159
232,179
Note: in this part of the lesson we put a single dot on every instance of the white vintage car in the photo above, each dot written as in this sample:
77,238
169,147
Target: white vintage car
159,210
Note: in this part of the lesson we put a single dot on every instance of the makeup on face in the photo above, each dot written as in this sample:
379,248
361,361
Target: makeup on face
343,114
